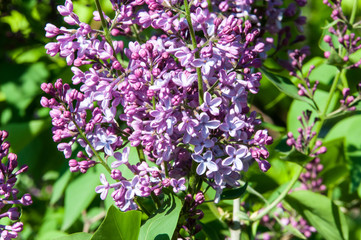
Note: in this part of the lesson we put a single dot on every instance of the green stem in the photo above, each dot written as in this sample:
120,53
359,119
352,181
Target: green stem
196,54
253,191
156,200
102,162
104,25
323,116
193,178
166,170
152,82
213,87
140,153
353,13
279,198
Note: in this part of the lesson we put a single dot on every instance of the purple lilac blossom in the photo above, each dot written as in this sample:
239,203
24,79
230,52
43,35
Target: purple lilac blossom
156,98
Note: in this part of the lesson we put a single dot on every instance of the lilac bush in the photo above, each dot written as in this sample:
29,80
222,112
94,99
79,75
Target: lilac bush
179,98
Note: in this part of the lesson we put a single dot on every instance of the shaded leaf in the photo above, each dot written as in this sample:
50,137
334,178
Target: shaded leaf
295,156
321,213
162,224
285,85
119,225
234,193
59,187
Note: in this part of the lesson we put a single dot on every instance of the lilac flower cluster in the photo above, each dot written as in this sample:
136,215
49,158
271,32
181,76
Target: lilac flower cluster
9,198
179,98
310,179
275,18
347,41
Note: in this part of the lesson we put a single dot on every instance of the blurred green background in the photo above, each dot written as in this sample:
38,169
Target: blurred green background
24,65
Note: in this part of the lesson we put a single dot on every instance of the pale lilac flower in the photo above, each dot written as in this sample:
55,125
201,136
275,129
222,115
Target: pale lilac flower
178,185
185,80
211,105
207,65
105,141
122,158
205,162
185,56
205,125
103,189
235,157
200,143
65,148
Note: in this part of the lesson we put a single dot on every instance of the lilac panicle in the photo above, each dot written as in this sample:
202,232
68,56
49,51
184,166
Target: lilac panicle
152,101
9,199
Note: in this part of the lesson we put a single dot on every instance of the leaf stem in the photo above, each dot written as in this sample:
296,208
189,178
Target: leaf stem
279,198
196,54
105,28
323,116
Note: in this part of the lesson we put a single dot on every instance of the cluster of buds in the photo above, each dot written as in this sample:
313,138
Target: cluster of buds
348,42
310,179
305,136
285,218
9,199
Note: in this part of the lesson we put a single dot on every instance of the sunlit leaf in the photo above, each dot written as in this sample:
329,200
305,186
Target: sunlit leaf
119,225
155,227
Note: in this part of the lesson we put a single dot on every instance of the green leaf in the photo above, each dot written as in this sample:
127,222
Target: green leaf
321,213
22,134
76,236
162,224
350,130
295,156
234,193
17,22
284,85
59,187
119,225
335,59
78,196
335,165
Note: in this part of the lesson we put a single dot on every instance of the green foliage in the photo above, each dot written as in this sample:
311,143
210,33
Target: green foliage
234,193
162,224
321,213
119,225
284,85
78,197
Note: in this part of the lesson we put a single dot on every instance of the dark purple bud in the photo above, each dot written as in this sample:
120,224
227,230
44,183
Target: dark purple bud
26,199
199,199
13,213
